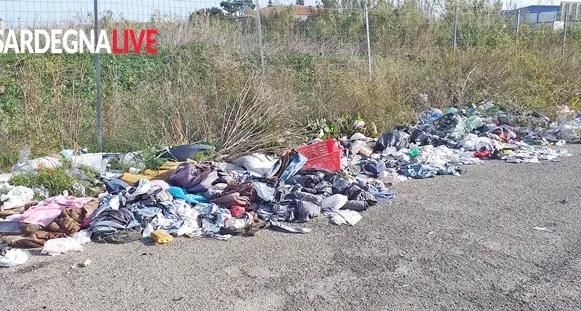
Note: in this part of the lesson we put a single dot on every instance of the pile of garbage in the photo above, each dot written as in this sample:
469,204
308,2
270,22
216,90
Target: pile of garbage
337,179
437,143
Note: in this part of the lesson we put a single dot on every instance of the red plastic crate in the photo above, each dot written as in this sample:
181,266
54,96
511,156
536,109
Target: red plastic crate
325,154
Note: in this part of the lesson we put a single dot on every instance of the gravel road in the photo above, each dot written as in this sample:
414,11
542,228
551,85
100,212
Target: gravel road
501,237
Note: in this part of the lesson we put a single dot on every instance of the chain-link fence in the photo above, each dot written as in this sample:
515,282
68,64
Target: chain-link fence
353,34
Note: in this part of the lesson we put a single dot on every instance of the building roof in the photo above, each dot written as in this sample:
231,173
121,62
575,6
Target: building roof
534,9
541,8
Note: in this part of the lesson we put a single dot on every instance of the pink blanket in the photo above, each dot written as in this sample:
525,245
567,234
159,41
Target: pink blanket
46,211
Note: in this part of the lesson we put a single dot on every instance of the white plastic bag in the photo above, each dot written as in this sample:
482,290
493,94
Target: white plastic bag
147,231
5,178
334,202
225,166
257,162
357,146
61,246
358,136
13,257
389,151
345,217
17,197
34,164
189,215
366,151
388,178
82,237
474,143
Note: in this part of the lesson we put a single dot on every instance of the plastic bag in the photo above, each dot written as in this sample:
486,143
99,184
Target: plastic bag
473,123
474,143
17,197
133,159
388,178
5,178
185,152
61,246
396,139
357,146
78,190
563,132
67,153
366,151
257,162
345,217
82,237
459,129
35,164
358,136
10,257
358,124
334,202
264,191
41,192
431,115
147,231
24,154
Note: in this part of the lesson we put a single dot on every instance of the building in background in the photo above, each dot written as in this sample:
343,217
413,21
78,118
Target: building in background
572,9
534,14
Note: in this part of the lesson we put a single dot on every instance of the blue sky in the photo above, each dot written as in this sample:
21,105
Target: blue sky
27,12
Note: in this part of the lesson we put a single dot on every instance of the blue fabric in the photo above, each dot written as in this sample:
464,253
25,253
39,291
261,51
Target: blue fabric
213,217
180,193
383,195
115,186
146,212
295,165
419,171
264,192
433,116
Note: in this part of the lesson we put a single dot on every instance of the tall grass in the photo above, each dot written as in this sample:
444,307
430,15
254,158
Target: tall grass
205,84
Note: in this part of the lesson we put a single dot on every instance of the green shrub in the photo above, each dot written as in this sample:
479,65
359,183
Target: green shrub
54,180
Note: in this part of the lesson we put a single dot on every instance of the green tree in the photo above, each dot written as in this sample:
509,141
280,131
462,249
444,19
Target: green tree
213,11
300,2
330,4
237,6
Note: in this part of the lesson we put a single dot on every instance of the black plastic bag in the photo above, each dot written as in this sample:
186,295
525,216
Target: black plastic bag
185,152
117,237
397,139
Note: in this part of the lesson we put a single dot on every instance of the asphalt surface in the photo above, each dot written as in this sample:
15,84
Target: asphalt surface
501,237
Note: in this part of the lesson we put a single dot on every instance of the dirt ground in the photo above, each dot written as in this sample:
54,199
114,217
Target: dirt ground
501,237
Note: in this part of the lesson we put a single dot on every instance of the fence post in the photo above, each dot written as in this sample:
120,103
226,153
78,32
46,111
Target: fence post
517,27
259,24
455,25
564,36
98,79
368,42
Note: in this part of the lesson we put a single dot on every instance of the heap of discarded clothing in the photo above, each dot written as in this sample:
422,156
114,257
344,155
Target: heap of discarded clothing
191,199
218,200
439,142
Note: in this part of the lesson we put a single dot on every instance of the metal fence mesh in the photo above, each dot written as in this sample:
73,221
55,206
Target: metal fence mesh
353,33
